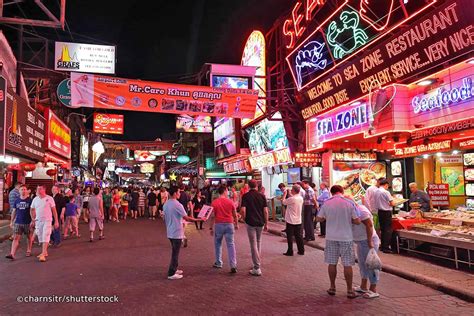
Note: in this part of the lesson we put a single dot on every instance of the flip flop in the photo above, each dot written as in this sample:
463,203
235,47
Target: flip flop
331,292
360,290
370,295
28,253
351,295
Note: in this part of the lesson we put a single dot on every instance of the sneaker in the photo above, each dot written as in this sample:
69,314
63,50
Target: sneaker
233,270
215,265
10,256
179,272
175,277
256,272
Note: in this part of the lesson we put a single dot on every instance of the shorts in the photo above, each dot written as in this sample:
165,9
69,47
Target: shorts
362,252
85,205
342,249
71,220
133,207
95,220
43,231
125,208
20,229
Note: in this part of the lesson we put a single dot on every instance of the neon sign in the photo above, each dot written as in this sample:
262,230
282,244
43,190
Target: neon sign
443,97
310,57
423,149
349,22
343,121
353,25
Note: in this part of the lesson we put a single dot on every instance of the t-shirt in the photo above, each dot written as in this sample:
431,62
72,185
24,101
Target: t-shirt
135,198
309,196
198,204
141,199
13,196
359,232
60,202
174,213
254,203
422,198
223,209
116,198
107,198
43,208
382,200
151,199
294,205
184,200
339,212
94,207
22,211
71,209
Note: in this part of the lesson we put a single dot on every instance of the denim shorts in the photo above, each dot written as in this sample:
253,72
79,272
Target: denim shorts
362,252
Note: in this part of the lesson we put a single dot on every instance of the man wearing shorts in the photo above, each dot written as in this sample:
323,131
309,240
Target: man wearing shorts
339,213
43,210
21,221
96,215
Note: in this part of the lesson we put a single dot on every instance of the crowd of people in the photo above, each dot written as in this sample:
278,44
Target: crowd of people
343,222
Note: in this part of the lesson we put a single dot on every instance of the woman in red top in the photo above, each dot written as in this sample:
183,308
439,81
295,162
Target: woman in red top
115,205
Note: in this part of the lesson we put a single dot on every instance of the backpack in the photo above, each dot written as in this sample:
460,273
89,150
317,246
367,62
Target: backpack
127,197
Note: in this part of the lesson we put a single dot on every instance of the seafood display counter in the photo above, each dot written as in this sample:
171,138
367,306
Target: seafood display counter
447,235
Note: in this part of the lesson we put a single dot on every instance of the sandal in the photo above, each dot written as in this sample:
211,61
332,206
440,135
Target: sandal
371,294
351,294
360,290
331,292
28,253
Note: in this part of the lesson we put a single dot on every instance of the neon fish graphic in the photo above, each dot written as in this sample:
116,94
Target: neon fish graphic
310,56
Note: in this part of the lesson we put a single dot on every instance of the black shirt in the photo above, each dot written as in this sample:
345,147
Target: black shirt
151,199
184,200
198,204
135,198
254,203
60,202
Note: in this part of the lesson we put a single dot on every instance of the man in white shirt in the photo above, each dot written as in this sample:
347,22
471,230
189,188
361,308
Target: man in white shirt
369,198
294,205
339,213
43,209
384,204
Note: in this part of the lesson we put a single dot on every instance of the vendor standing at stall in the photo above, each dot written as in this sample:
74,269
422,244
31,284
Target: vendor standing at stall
420,197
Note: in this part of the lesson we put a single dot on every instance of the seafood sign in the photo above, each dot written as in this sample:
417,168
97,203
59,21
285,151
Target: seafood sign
343,45
96,91
310,57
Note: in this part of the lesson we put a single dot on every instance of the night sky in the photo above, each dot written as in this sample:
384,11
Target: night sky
169,40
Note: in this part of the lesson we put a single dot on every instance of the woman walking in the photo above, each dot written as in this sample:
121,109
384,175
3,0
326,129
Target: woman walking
196,205
86,195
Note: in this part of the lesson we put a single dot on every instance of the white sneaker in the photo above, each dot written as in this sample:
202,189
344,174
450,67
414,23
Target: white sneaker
179,271
256,272
175,277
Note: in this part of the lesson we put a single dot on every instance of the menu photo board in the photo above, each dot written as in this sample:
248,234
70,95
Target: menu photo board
431,40
193,124
24,128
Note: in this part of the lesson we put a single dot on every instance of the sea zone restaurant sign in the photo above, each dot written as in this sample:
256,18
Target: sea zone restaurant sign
108,123
424,149
84,58
336,125
440,36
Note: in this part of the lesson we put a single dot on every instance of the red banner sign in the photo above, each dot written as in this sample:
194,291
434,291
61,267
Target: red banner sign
108,123
277,157
238,166
439,194
423,149
95,91
58,135
467,144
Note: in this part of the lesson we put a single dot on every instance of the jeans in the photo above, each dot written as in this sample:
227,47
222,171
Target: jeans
362,252
255,238
175,246
106,212
308,222
225,230
385,220
294,230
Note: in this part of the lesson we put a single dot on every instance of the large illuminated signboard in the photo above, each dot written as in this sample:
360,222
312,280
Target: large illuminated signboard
337,124
226,142
352,26
254,55
438,37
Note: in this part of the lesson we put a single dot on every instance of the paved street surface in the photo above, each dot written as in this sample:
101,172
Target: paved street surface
132,263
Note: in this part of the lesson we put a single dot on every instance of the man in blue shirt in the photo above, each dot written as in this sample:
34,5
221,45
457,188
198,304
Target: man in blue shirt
325,195
21,222
14,195
174,214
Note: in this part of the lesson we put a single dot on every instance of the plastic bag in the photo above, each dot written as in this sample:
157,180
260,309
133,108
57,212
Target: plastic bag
373,261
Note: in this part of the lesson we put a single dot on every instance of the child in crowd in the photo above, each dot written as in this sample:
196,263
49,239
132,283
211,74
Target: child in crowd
72,213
